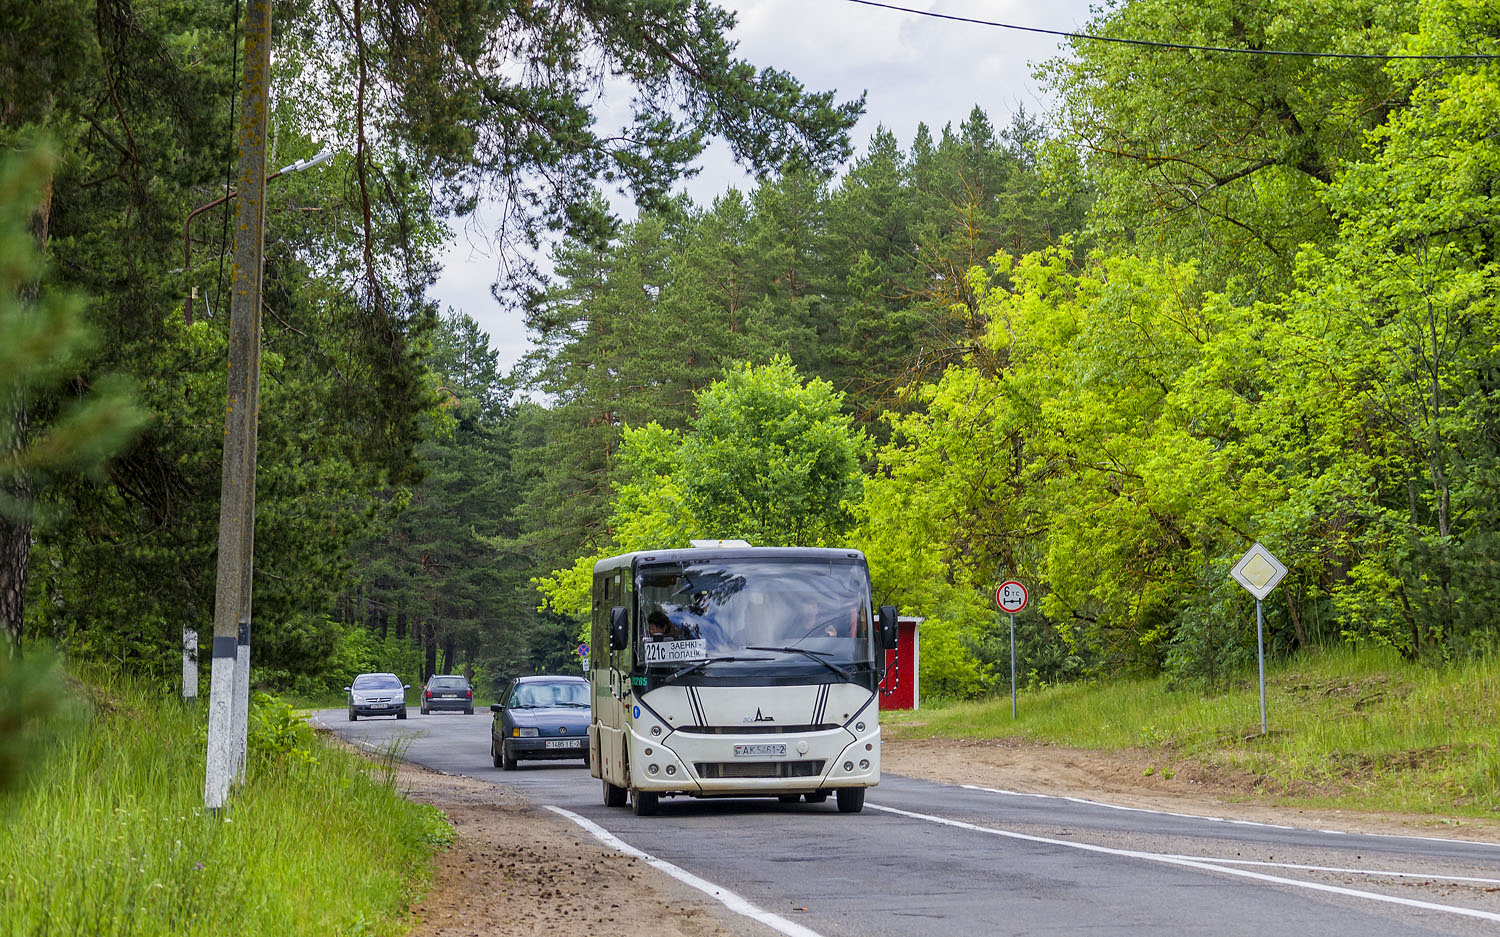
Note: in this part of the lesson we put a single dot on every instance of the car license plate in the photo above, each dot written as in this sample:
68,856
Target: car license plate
564,743
450,696
380,705
759,751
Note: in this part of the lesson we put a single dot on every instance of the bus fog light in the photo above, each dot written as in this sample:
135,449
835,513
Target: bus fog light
859,727
648,753
848,766
671,769
864,764
656,730
652,770
869,747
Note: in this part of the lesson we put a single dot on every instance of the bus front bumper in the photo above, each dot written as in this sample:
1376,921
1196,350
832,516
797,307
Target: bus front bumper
755,764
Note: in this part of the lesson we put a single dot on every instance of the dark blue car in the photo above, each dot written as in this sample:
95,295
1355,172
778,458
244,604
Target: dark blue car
541,717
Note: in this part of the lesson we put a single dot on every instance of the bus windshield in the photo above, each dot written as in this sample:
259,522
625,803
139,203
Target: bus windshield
796,611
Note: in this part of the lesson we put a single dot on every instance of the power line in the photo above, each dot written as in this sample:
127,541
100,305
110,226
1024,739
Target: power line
1471,57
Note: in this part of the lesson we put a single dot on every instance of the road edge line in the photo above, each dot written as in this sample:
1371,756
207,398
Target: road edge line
724,896
1196,864
1214,819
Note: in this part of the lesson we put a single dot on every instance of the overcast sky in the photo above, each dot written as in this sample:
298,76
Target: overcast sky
914,69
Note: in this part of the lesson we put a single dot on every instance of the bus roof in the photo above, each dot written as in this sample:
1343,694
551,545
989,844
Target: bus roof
695,554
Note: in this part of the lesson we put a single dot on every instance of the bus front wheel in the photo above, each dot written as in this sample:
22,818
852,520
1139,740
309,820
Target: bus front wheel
643,803
851,799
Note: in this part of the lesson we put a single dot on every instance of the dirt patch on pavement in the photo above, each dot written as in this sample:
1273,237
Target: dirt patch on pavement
518,870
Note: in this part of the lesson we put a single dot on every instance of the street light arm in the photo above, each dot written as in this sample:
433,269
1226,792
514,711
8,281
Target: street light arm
322,157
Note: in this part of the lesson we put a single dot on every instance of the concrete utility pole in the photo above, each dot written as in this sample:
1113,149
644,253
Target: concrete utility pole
230,674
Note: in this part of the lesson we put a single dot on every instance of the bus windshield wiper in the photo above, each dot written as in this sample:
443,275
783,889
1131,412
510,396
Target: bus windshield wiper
698,665
815,655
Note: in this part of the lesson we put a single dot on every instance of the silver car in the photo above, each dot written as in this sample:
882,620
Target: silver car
377,694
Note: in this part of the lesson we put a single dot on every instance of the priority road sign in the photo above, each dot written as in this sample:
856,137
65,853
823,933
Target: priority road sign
1258,571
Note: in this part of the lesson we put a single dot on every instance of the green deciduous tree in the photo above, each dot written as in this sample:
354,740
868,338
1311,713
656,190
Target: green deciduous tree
1389,352
1080,467
1220,156
769,458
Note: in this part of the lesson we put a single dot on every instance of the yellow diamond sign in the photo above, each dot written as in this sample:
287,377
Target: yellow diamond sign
1258,571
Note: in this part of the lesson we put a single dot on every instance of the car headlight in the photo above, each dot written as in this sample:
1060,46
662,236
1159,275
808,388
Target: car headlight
523,733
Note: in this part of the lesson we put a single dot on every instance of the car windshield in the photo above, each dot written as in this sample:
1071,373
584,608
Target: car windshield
377,681
797,608
448,683
534,695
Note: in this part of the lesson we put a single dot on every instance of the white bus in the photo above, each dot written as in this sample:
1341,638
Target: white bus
727,670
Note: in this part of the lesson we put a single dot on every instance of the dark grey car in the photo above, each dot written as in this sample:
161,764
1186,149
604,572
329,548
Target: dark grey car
452,693
541,717
377,694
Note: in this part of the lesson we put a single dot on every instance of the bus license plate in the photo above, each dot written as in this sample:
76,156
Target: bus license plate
759,751
564,743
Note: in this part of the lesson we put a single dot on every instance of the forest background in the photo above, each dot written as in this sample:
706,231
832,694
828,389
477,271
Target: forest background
1212,299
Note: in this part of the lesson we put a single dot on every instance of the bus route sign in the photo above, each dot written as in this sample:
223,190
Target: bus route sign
1011,596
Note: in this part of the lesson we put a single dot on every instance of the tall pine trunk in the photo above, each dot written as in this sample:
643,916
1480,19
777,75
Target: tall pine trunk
429,650
15,539
15,531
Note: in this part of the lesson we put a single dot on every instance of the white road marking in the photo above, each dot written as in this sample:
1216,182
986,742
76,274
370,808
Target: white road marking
1213,819
728,898
1188,862
1430,876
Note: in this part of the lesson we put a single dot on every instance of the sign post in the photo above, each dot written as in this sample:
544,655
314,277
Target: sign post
1259,572
1011,597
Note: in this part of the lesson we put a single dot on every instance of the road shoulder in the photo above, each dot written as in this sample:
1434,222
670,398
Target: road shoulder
517,870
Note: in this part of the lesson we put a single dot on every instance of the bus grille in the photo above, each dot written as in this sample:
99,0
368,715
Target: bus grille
758,769
755,729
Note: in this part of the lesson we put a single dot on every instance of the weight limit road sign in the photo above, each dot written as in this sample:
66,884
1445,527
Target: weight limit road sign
1011,596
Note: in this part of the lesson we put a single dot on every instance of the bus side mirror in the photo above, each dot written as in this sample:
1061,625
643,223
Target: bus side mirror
619,628
887,626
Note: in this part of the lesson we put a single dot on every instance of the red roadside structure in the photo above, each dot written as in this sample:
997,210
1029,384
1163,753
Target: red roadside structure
901,688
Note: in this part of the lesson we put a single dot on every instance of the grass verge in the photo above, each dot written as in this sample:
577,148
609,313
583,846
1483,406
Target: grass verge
1358,729
111,837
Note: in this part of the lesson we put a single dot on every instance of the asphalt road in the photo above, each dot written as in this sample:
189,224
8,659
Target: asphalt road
940,860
